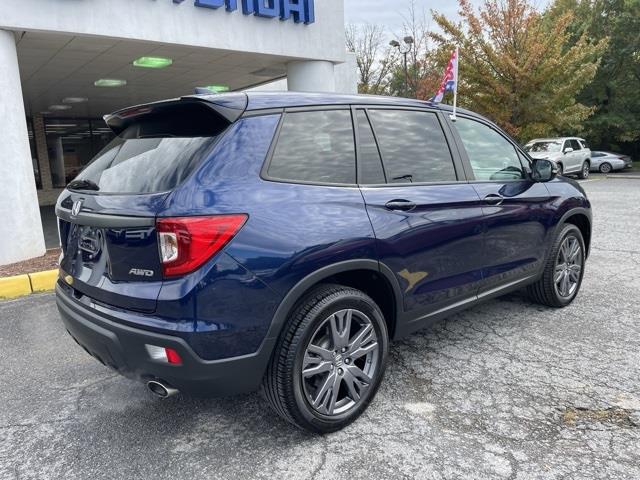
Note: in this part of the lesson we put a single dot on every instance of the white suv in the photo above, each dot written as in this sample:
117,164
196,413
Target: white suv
571,154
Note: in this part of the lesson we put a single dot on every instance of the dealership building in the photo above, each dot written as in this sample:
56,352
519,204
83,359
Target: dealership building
66,63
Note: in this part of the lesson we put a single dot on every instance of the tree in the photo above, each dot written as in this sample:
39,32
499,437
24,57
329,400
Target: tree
423,73
515,69
375,60
614,93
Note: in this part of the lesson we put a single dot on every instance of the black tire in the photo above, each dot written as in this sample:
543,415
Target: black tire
283,385
560,169
545,291
605,167
584,172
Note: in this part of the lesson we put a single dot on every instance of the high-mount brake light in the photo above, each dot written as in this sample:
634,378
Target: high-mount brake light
186,243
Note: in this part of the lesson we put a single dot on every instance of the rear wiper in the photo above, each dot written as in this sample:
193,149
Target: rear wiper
404,177
83,185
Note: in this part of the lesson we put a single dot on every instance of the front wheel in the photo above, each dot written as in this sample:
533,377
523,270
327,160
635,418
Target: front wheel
329,361
584,173
560,169
562,276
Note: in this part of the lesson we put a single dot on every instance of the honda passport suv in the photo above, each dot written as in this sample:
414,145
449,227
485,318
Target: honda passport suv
235,242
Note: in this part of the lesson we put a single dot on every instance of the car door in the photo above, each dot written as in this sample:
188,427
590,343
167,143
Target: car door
426,218
569,159
517,219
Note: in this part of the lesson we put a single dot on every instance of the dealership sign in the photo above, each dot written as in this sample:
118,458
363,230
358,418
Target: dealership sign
301,11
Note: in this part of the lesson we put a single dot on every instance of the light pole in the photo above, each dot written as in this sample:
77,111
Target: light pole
404,52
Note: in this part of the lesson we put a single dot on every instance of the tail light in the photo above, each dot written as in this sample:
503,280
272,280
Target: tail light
186,243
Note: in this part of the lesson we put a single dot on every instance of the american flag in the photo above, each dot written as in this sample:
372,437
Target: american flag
450,79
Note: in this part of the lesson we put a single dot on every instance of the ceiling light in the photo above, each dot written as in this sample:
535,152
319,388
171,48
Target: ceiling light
75,100
110,82
59,108
218,88
152,62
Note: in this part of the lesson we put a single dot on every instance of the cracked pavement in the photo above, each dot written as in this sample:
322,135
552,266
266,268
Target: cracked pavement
506,390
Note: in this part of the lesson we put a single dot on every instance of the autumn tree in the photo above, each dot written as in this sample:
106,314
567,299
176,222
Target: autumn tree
374,57
516,68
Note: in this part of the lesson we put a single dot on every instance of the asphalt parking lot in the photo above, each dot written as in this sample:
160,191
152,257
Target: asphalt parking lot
505,390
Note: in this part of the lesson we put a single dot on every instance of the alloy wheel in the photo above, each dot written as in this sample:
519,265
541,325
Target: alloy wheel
568,267
585,170
605,168
340,362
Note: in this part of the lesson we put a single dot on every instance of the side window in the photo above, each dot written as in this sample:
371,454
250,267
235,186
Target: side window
370,164
567,144
413,146
584,144
316,147
576,145
491,155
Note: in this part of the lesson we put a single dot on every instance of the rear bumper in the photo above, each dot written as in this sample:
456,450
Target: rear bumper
123,348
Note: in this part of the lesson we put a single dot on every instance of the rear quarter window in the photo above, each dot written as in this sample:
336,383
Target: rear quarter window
315,147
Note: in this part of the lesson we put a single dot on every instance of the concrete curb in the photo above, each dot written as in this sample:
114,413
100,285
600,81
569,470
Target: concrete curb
21,285
626,177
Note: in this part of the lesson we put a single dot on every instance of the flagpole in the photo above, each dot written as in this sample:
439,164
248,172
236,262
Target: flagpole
455,91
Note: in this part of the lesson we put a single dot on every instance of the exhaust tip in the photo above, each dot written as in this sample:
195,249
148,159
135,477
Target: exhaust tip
161,390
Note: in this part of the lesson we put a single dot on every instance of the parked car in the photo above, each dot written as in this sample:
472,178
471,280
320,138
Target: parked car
227,243
570,154
606,162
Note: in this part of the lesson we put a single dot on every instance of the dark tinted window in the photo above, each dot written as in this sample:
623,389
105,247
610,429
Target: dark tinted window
576,145
316,147
491,155
371,171
146,165
413,146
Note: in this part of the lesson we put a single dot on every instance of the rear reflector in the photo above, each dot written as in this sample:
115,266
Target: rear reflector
186,243
164,354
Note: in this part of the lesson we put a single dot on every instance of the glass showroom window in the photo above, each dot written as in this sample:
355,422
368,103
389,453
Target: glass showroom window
34,154
72,143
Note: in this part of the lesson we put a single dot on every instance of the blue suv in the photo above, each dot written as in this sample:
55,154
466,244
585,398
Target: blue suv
228,243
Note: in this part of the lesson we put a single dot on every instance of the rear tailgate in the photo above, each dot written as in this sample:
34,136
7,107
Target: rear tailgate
111,258
107,216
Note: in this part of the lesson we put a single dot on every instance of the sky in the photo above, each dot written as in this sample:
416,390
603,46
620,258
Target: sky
389,13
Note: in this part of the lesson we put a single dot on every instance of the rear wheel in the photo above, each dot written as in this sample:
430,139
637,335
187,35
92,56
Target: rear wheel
329,361
562,277
605,168
584,173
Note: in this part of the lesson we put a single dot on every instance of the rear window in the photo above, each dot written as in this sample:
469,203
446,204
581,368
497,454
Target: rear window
146,165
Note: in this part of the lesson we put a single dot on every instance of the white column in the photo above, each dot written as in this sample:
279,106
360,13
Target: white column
311,76
21,234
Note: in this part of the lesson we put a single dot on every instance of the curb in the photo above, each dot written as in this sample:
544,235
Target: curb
21,285
625,177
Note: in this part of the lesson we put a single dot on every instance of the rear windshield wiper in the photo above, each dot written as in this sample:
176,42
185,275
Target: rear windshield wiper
83,185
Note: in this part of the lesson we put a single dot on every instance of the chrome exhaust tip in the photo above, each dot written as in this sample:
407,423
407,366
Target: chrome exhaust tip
161,390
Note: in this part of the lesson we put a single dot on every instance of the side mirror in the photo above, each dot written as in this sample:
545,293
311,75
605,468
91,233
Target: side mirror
568,150
544,170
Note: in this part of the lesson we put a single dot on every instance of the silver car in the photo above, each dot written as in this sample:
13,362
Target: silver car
570,154
605,162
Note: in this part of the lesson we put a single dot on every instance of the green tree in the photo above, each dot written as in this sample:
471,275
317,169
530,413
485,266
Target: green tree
515,67
614,93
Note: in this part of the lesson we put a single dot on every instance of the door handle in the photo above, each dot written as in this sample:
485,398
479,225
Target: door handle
400,205
494,199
